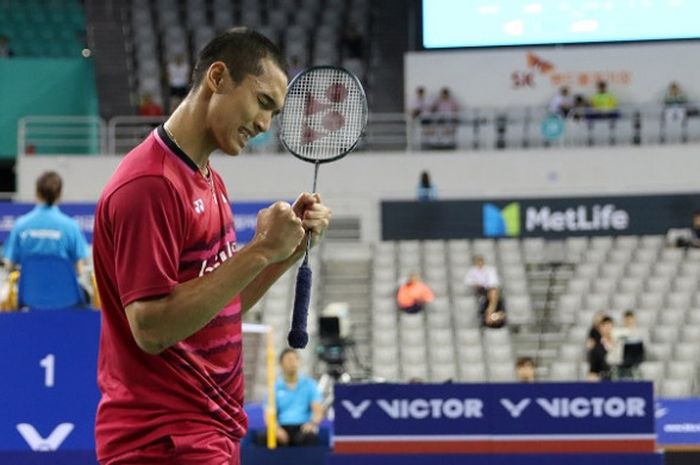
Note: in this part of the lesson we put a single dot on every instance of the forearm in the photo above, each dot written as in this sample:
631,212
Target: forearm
316,413
160,323
254,291
493,300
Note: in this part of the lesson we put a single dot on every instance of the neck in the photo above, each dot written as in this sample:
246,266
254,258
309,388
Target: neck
187,125
291,378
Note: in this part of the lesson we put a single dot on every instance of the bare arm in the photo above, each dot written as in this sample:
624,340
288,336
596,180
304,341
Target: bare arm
159,323
493,296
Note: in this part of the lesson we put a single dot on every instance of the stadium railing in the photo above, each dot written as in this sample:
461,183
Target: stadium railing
471,129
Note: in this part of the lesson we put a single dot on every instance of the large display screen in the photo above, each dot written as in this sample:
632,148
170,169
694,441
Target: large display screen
497,23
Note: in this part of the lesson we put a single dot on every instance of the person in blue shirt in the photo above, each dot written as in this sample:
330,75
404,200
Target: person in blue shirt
46,230
425,189
299,408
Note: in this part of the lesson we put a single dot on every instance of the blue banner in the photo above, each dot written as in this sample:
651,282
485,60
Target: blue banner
678,422
244,214
504,418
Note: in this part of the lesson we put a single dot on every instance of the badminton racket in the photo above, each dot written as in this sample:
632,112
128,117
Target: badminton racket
323,117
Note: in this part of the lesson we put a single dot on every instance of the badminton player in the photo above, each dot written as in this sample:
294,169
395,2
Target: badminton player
172,284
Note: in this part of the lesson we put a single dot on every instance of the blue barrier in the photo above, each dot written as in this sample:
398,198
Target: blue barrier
678,422
245,214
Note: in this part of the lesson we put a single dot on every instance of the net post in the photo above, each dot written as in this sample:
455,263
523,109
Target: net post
271,410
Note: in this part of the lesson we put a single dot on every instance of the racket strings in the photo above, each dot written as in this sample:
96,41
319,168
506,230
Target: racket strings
324,114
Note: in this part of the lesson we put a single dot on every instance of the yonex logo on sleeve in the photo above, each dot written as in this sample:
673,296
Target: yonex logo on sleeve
198,206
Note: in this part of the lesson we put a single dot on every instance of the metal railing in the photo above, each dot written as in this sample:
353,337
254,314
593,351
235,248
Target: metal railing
474,129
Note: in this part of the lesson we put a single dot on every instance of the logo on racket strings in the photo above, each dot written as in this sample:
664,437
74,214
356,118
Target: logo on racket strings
322,114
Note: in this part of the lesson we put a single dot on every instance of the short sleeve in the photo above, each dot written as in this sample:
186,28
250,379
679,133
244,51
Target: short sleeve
79,246
147,224
492,278
315,392
11,251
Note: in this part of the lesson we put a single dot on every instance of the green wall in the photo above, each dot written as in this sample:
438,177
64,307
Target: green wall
43,86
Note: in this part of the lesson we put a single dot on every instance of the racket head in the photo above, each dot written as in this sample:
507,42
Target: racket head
324,114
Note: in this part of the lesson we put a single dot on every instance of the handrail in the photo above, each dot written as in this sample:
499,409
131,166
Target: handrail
470,129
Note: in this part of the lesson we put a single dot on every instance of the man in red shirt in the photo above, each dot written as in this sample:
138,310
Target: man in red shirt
172,284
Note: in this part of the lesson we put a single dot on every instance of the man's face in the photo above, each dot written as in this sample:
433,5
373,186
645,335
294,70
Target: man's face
525,372
696,221
239,112
479,262
290,364
630,321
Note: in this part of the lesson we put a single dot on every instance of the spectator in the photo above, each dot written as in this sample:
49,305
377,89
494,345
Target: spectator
561,103
580,108
686,237
594,332
298,400
599,368
413,294
420,107
149,107
675,101
445,114
5,50
604,103
352,43
484,282
632,342
426,190
525,370
179,80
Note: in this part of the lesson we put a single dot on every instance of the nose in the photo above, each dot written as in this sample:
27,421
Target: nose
263,121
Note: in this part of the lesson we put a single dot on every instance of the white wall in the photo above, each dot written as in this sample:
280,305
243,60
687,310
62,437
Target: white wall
354,185
637,73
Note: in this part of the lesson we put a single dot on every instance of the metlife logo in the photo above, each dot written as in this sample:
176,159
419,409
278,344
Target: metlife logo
507,221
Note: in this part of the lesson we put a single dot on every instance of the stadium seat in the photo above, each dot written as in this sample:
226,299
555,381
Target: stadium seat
501,372
652,371
564,371
48,282
676,388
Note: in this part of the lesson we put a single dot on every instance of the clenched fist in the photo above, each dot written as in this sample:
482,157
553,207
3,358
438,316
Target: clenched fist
279,232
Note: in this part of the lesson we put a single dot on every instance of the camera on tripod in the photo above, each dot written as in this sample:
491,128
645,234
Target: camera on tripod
332,348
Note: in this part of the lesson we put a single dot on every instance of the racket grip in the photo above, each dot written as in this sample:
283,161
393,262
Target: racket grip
298,337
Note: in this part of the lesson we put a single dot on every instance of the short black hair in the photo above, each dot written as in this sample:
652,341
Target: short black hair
628,313
606,319
522,361
49,187
286,351
242,50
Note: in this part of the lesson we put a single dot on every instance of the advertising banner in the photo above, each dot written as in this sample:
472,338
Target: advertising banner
678,422
537,217
244,214
494,418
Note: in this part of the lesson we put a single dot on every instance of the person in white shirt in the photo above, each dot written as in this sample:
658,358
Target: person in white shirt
561,103
179,80
484,281
631,342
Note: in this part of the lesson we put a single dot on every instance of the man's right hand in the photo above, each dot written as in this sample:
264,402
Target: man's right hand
278,232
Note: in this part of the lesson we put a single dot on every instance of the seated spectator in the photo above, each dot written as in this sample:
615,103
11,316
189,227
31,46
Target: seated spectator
525,370
413,295
445,112
580,108
599,368
298,400
604,103
46,230
594,332
420,107
5,50
686,237
561,103
484,282
632,341
179,80
149,107
426,190
675,101
351,42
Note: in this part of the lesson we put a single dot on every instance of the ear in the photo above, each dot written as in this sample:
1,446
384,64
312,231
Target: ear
216,77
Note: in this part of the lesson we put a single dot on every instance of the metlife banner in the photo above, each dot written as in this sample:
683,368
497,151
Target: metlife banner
543,418
537,217
244,213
